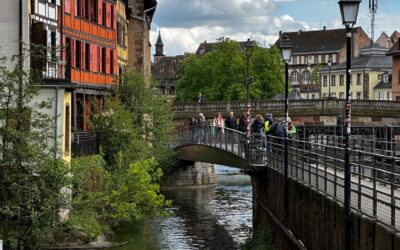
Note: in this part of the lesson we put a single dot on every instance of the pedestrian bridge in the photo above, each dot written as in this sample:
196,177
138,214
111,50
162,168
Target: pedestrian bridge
315,162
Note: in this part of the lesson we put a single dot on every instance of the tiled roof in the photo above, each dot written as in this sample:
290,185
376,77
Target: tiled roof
371,57
384,85
316,41
394,50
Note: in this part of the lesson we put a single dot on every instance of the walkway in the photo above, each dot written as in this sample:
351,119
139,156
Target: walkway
318,162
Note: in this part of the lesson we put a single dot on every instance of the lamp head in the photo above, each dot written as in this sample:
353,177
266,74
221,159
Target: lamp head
349,11
286,49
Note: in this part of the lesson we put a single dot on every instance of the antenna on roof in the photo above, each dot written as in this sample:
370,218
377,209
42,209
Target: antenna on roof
373,6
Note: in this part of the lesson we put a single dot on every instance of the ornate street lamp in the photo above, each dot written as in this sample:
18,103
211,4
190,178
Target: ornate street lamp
248,45
286,51
329,75
349,12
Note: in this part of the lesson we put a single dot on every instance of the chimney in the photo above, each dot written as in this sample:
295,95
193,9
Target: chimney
324,28
280,35
299,32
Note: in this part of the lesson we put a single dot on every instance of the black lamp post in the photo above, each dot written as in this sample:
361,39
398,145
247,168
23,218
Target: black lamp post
248,45
349,12
286,51
329,75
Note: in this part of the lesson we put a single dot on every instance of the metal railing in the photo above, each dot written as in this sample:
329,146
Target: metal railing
317,160
84,144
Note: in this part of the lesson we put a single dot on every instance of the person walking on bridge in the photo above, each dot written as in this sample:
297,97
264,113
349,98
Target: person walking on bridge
230,122
201,124
219,124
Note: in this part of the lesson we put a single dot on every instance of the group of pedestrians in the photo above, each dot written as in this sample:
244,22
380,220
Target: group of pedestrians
262,128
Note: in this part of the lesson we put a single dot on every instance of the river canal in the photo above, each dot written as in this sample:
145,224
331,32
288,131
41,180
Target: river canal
203,218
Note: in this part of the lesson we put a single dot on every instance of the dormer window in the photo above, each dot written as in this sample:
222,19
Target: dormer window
385,78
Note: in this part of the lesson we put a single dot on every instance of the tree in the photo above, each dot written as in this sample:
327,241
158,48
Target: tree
30,178
220,74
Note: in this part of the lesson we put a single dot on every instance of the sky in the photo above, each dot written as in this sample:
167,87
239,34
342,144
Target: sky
184,24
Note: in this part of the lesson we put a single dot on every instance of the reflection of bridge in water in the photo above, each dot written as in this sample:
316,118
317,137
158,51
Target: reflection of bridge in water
316,161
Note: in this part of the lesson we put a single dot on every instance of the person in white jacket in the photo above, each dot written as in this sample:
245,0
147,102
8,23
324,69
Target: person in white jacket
219,125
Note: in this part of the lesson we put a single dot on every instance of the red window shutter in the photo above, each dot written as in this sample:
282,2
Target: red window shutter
76,7
100,11
67,6
108,11
107,61
83,61
95,58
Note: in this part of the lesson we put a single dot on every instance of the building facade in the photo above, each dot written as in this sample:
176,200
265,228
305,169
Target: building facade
313,49
87,47
368,70
165,69
140,16
394,52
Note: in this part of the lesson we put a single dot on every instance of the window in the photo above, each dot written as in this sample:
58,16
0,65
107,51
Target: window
112,16
294,60
294,76
316,59
385,78
95,11
378,96
111,62
78,8
325,81
341,79
333,94
306,76
87,9
366,78
341,95
104,14
67,6
53,49
305,59
380,76
78,55
398,76
333,80
103,60
358,79
389,95
87,56
358,95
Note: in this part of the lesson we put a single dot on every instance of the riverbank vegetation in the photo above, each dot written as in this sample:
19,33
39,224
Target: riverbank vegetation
122,184
220,74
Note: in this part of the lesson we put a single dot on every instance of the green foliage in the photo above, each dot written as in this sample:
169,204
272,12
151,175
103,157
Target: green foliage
134,129
220,74
260,239
30,177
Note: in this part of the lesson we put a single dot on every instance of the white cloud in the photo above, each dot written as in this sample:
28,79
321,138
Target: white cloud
184,24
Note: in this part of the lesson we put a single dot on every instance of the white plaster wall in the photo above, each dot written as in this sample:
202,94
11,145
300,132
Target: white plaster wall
9,29
46,94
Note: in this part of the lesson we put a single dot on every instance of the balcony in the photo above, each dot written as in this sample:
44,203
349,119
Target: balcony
84,144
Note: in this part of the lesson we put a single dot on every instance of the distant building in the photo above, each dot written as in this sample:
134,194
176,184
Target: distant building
368,70
315,48
385,41
394,52
164,70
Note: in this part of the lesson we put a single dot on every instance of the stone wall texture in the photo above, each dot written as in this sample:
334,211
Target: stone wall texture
197,174
313,219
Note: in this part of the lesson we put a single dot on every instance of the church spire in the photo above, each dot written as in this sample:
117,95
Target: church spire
159,46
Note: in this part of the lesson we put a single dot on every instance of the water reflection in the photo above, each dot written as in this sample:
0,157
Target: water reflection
203,218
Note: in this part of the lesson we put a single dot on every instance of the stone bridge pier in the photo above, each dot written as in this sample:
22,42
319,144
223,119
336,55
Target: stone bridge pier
316,222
